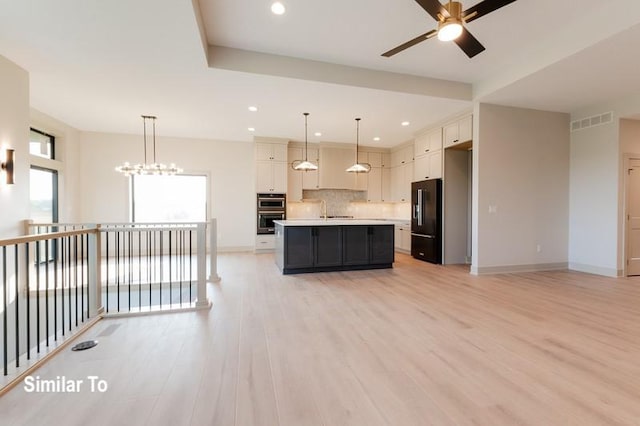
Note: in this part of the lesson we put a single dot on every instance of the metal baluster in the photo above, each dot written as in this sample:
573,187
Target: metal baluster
148,234
139,270
190,263
161,271
68,282
75,265
89,272
130,247
181,263
118,267
55,297
106,284
170,271
46,289
62,281
27,278
5,288
82,237
17,307
38,295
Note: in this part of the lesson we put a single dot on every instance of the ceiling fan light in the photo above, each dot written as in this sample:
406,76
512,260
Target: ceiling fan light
449,30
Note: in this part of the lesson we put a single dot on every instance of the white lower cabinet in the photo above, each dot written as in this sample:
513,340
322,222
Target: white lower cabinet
402,237
265,242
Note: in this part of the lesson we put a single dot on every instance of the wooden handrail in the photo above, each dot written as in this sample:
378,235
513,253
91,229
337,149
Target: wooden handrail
48,236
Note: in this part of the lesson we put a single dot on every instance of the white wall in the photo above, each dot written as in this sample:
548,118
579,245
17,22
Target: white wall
229,165
521,168
14,134
597,158
594,200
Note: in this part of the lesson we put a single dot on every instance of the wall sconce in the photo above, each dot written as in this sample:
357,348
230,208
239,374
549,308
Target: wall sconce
7,165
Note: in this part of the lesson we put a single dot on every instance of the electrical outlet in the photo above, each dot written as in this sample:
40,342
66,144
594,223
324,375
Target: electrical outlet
538,248
493,209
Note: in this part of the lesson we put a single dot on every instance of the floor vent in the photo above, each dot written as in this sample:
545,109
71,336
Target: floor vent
596,120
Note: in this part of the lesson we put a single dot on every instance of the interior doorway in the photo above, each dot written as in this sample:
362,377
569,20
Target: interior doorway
633,217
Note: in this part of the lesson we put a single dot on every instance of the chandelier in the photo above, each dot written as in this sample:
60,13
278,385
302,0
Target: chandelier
154,168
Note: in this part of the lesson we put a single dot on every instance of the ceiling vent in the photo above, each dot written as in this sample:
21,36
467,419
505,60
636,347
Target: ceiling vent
596,120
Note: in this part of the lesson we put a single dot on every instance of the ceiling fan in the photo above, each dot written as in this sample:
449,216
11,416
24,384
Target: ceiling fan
451,20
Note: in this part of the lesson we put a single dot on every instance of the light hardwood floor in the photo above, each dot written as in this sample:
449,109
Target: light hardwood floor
416,345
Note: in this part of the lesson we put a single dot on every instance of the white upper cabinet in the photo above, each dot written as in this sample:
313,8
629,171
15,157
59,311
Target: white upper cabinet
271,167
458,131
374,158
428,166
271,152
428,142
402,156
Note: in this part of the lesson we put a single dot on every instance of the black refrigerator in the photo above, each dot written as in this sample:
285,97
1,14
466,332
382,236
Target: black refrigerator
426,220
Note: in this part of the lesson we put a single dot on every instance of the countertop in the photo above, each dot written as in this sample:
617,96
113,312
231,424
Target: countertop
334,222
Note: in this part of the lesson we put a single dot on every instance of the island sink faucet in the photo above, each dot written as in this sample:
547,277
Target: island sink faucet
323,205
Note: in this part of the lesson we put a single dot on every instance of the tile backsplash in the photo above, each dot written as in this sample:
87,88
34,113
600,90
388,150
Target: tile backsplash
345,202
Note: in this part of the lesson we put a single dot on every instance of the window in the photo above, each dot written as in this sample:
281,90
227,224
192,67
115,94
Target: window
43,190
41,144
178,198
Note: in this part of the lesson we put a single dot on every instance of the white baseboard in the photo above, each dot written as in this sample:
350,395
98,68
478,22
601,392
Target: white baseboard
597,270
510,269
232,249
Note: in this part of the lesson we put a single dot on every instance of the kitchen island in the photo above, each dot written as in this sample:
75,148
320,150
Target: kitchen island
317,245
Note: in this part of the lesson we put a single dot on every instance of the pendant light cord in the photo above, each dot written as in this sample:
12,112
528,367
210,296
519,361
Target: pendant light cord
357,137
154,140
144,133
306,151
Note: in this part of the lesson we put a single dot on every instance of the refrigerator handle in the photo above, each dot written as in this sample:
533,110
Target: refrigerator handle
419,207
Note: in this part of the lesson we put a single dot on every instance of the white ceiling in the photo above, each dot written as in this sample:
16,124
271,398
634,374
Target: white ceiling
97,65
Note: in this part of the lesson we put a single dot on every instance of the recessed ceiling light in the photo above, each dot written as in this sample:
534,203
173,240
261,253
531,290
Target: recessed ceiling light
251,129
405,123
277,8
253,108
318,134
376,139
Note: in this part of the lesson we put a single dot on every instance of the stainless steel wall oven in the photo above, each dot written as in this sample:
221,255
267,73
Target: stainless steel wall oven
270,207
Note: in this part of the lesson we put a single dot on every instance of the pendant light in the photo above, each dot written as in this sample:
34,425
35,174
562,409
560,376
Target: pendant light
359,167
306,165
154,168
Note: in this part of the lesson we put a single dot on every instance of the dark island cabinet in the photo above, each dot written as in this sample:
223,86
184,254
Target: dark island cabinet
333,247
299,247
328,246
312,246
355,245
368,245
382,243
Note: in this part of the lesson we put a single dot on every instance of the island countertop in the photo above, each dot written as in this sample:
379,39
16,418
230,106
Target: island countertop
334,222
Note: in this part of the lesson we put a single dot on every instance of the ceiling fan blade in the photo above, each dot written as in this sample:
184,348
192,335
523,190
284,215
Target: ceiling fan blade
433,8
410,43
483,8
469,44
